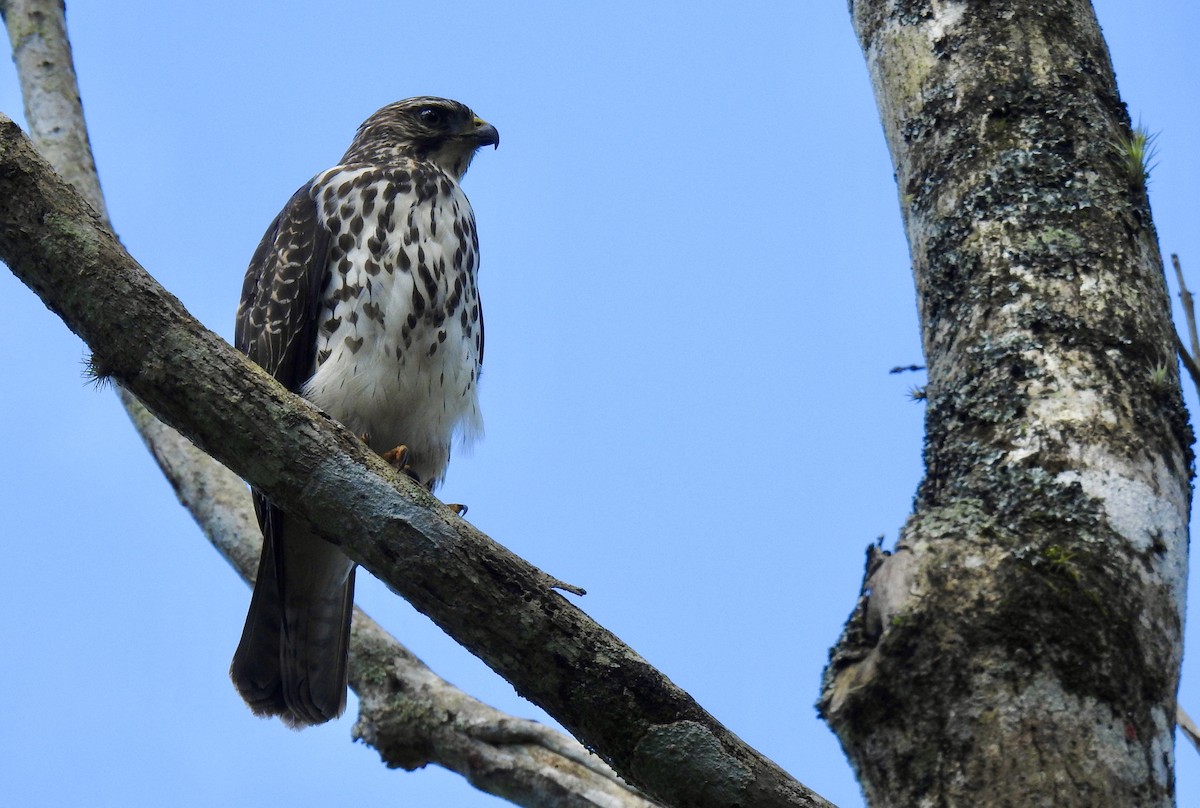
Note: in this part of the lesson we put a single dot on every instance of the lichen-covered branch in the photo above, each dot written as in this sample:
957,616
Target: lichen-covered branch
403,705
1021,646
409,714
492,602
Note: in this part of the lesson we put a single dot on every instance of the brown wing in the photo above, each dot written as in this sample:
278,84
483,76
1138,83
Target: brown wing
281,296
291,660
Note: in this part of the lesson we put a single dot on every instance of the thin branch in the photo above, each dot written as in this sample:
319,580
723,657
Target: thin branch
1189,309
1188,361
1190,730
494,603
1189,358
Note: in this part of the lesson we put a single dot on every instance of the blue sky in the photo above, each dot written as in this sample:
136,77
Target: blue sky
695,281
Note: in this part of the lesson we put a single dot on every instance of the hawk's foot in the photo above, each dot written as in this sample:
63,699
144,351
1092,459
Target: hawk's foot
459,509
397,458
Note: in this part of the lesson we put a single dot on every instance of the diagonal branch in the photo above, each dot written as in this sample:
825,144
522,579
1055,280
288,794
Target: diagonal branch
406,712
404,707
500,607
1188,726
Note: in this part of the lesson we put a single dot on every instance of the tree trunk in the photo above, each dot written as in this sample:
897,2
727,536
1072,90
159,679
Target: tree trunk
1022,644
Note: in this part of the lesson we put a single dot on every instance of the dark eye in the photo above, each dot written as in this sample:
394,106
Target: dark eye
431,116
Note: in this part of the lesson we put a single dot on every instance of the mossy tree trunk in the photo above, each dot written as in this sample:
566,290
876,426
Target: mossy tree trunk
1022,644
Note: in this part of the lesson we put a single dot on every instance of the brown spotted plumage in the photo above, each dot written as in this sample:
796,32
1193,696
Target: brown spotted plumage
361,297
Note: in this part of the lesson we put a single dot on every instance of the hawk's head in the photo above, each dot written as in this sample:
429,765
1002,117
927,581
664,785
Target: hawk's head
425,128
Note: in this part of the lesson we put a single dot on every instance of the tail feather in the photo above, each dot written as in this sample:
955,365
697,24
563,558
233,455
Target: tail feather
292,658
255,670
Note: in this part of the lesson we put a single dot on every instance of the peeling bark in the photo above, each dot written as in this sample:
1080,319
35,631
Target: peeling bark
1022,644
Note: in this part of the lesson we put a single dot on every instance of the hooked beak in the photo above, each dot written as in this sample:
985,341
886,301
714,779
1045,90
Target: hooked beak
485,134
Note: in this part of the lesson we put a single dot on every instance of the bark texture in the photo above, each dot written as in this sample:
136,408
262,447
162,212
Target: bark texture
406,712
497,605
1022,644
37,31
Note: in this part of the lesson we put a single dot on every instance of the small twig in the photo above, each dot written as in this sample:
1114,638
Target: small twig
555,583
1189,309
1189,363
1188,358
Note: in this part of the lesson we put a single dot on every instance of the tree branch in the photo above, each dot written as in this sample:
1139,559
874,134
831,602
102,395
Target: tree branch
497,605
1189,358
403,705
513,758
1188,726
410,715
37,31
1189,308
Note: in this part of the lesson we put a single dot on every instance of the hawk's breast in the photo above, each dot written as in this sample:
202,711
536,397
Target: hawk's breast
400,332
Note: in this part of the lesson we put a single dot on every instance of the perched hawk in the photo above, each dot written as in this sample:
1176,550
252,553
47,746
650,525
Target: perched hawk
362,298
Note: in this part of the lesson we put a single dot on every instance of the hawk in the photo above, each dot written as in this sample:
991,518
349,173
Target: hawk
362,298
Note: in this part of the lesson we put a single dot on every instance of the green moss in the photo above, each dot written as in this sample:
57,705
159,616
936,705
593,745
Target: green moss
1066,603
1060,560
